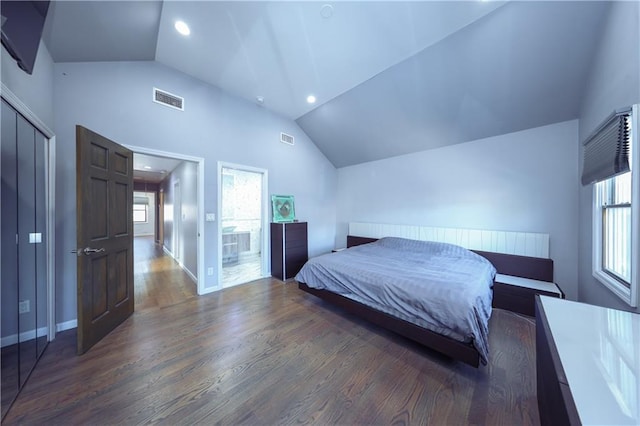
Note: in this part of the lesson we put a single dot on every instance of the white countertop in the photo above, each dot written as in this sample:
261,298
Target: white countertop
600,353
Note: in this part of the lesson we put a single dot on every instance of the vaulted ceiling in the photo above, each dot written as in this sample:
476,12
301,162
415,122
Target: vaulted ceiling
389,77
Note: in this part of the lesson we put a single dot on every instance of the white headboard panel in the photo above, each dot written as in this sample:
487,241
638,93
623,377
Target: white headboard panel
520,243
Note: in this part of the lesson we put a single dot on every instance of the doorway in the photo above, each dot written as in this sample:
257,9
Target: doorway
179,205
242,224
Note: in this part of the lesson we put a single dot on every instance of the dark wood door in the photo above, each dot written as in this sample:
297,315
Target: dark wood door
104,185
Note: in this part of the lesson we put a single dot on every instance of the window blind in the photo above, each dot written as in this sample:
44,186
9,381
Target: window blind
606,151
140,200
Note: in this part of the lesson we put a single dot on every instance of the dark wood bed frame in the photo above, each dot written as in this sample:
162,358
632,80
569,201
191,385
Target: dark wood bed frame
521,266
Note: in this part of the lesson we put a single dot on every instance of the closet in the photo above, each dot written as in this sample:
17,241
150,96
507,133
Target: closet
24,303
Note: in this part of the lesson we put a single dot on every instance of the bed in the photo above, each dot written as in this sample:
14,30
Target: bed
436,293
510,264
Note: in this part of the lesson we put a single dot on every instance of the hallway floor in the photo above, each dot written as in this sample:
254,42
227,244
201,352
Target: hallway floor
159,280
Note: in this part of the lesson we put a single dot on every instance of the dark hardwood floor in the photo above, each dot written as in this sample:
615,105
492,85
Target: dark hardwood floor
268,353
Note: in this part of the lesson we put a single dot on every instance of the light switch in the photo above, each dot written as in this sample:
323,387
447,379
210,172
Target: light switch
210,217
35,237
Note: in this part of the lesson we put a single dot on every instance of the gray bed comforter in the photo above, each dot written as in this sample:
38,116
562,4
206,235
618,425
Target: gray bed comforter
442,287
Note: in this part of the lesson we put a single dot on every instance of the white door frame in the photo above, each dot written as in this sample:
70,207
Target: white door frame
50,187
200,279
177,222
266,248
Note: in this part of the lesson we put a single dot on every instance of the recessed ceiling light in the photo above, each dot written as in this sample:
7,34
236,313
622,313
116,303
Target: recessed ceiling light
311,99
182,28
146,167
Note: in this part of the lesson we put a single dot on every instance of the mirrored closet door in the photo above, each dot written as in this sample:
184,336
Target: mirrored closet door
23,194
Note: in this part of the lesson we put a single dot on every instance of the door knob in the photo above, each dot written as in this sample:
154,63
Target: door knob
87,251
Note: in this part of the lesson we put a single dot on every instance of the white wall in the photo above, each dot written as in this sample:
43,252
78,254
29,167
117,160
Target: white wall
186,174
35,90
148,227
614,83
525,181
115,100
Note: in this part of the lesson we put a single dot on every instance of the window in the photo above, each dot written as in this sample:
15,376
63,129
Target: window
615,206
139,213
615,224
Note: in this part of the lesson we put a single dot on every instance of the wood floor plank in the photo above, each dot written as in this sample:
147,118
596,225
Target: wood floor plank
268,353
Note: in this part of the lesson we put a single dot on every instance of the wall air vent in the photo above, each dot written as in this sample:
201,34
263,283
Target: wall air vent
168,99
285,138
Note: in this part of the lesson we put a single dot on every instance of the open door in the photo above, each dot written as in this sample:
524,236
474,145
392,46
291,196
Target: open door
104,192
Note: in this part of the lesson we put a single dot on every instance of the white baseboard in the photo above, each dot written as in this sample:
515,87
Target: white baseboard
24,336
31,334
184,268
67,325
208,290
193,277
144,234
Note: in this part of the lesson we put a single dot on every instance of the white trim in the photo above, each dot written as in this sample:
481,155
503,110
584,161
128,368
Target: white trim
518,243
188,272
266,247
628,295
202,289
51,234
219,227
25,336
176,234
635,208
201,234
25,111
67,325
50,183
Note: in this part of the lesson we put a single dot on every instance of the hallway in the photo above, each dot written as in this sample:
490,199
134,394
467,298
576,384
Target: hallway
159,280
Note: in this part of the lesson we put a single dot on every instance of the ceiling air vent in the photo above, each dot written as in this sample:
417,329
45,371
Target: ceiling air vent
285,138
168,99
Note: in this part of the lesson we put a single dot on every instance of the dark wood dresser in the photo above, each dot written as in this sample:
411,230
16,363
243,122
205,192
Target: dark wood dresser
288,249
